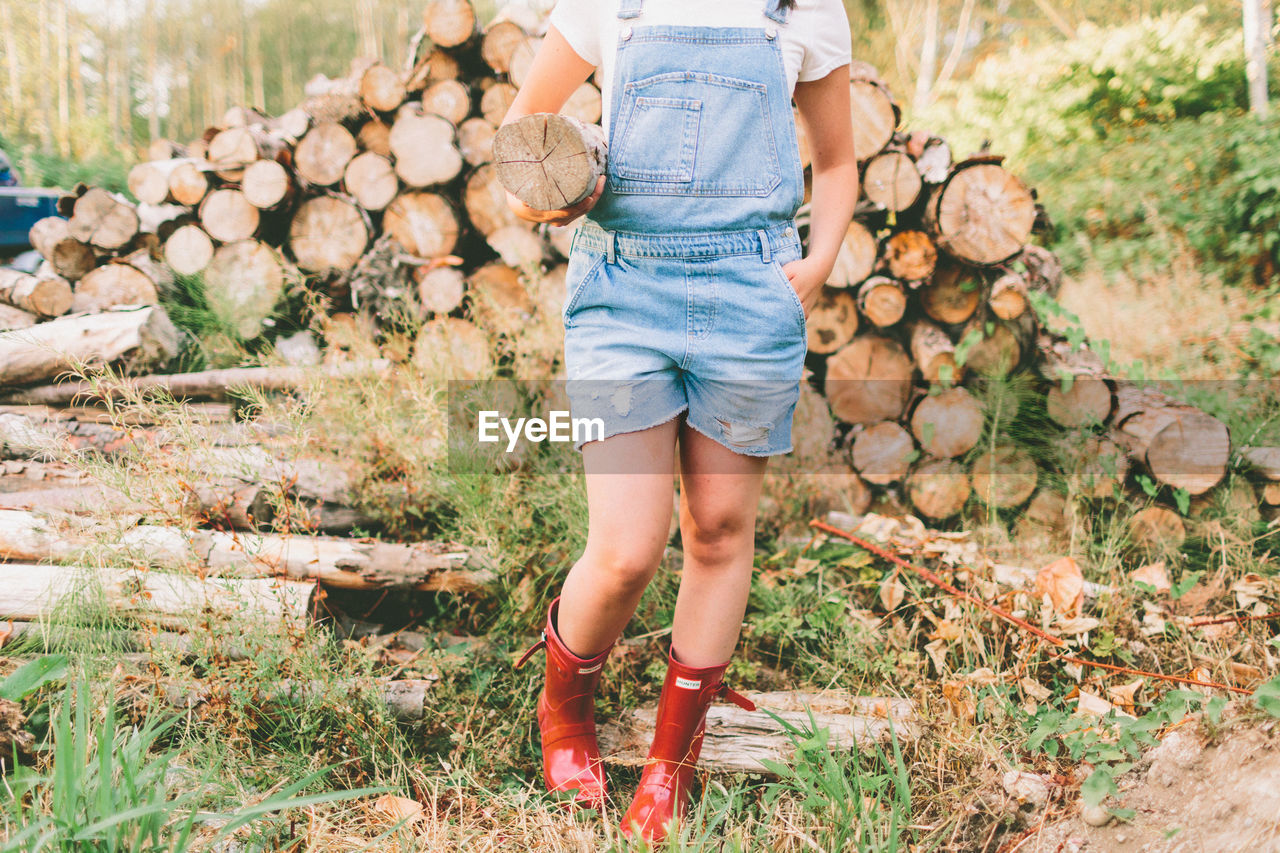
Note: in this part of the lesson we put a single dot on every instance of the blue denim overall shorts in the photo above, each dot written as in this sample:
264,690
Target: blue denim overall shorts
676,300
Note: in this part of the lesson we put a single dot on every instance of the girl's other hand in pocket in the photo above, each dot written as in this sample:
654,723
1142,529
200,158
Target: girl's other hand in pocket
562,216
807,279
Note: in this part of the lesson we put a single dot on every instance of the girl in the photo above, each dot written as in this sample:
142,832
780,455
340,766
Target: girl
684,320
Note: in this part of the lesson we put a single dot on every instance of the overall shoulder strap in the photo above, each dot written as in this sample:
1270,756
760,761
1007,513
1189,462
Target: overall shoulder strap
630,9
773,9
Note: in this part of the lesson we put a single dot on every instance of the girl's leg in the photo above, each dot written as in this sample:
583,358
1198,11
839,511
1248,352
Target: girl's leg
719,491
630,483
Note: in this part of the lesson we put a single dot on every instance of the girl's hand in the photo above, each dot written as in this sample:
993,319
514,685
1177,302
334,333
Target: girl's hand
562,216
807,276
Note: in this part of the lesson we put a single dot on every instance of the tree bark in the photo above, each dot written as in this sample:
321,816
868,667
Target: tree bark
244,282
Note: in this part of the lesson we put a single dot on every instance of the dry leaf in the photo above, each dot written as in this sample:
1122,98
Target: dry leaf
937,651
1034,689
1091,704
983,676
1125,696
947,631
1154,575
962,704
803,566
1063,582
398,808
892,592
1249,590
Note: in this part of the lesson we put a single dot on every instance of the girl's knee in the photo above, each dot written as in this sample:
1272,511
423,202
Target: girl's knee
709,536
624,571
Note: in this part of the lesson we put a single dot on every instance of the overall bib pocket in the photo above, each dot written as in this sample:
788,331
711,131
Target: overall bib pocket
694,133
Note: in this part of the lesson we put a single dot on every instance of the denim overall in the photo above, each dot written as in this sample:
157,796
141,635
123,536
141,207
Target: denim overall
676,296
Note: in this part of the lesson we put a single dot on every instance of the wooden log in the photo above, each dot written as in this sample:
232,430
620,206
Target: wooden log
1179,444
498,301
188,250
550,161
833,321
500,40
334,100
890,180
584,104
164,149
1042,269
37,592
16,318
856,257
151,182
292,125
322,155
450,348
160,220
371,180
1080,393
475,140
267,185
1156,530
134,339
423,148
994,348
71,258
405,700
517,246
435,66
375,135
189,182
424,224
217,385
440,289
244,284
231,150
910,255
875,117
45,297
738,741
242,116
226,215
328,232
1004,476
869,380
981,214
882,300
882,453
953,294
522,60
1263,461
382,88
495,102
938,488
932,155
449,23
934,354
449,99
485,201
104,219
112,284
948,423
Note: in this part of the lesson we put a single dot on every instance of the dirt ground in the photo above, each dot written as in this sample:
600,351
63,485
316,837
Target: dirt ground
1196,791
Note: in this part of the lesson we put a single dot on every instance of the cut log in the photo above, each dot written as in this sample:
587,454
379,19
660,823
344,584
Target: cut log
517,246
500,40
440,289
435,66
1180,445
424,224
328,232
981,214
498,300
1008,299
189,182
910,255
151,183
375,136
135,339
475,140
1080,393
449,23
869,380
1098,466
231,150
292,124
856,258
371,180
449,99
994,348
953,294
738,741
1004,476
382,88
71,258
882,453
104,220
46,297
38,592
450,348
423,147
875,117
934,354
114,284
584,104
833,321
322,156
891,181
244,284
218,385
1042,269
226,215
16,318
522,60
495,102
1156,530
267,185
550,161
188,250
164,149
485,201
882,300
240,116
1264,461
947,424
933,157
938,488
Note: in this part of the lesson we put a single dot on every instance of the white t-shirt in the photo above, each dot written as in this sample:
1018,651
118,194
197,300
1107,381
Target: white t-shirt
815,40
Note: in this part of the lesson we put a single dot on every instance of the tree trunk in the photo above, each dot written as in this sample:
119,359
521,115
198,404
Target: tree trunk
15,318
1180,445
485,201
423,147
371,180
189,182
1257,27
1004,477
112,284
46,297
584,104
440,288
226,215
550,161
1080,393
501,38
104,219
449,23
953,294
1156,530
231,150
424,224
495,102
875,117
517,246
382,88
322,155
882,453
1008,298
188,250
453,349
833,321
947,424
910,255
475,140
267,185
329,232
891,181
449,99
499,302
244,283
934,353
981,214
135,339
882,301
856,258
938,488
869,380
71,258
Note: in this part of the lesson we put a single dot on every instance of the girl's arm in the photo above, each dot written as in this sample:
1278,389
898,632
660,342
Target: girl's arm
827,115
554,75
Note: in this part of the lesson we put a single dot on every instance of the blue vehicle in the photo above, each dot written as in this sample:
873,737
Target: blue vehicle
20,207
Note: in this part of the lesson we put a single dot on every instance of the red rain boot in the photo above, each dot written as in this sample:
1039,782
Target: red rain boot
663,793
566,718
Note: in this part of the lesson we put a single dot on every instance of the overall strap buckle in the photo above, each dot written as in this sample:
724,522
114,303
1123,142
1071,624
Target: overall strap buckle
630,9
773,10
